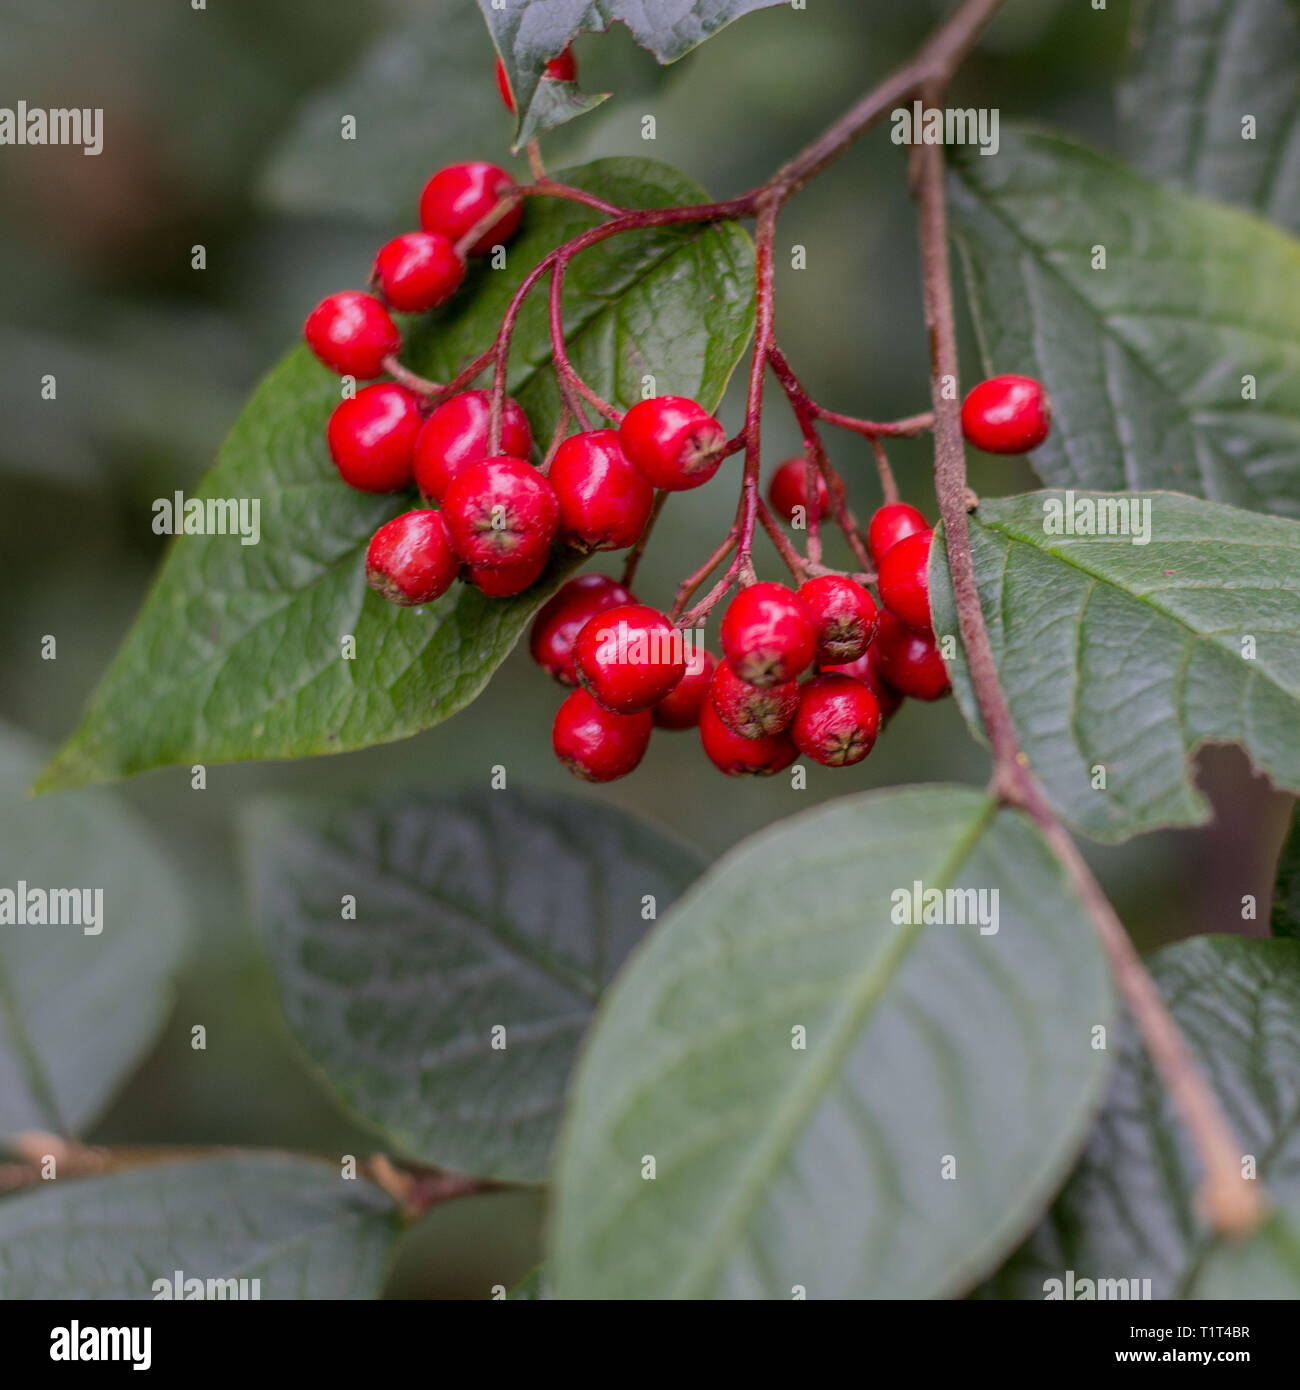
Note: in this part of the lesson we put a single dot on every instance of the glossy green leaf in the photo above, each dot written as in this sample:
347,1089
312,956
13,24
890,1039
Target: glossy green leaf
945,1085
1119,660
1286,891
238,651
1177,365
499,911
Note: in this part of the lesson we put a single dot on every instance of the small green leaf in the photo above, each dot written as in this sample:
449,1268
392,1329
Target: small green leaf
293,1223
1265,1266
1286,891
500,911
1119,660
533,1287
834,1098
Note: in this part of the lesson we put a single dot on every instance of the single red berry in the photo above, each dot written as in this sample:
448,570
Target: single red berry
418,271
560,619
456,435
504,581
867,669
908,660
372,437
680,708
500,511
787,490
604,502
752,711
410,560
561,69
672,442
767,636
837,720
596,744
458,197
904,580
890,524
352,333
738,757
843,615
1007,415
629,658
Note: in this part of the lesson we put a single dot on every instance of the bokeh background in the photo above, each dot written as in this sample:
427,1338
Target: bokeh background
222,129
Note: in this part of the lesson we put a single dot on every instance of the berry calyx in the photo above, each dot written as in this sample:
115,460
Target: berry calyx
410,559
674,443
837,720
680,708
752,711
352,333
596,744
629,658
561,69
501,511
1007,415
418,271
456,435
562,617
604,502
904,580
787,492
458,197
843,615
740,757
372,437
908,660
891,524
867,669
767,636
504,581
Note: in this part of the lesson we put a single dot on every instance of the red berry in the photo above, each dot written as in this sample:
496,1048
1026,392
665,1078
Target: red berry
410,559
1007,415
736,756
672,442
595,743
456,198
909,661
843,615
867,669
837,720
504,581
890,524
561,69
629,658
418,271
752,711
352,333
766,635
680,708
904,580
788,489
372,437
456,435
604,502
561,618
500,511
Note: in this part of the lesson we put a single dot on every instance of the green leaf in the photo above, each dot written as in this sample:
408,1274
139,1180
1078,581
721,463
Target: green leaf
1197,69
237,651
293,1223
1128,1209
1265,1266
1128,657
497,910
930,1050
533,1287
1144,359
1286,891
78,1010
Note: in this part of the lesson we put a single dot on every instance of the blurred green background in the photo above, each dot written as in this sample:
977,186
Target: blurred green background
221,129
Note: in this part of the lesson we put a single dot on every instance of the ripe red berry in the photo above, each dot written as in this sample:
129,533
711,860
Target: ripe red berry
680,708
456,198
604,502
837,720
738,757
372,437
1007,415
752,711
456,435
629,658
843,615
672,442
890,524
410,560
500,511
561,69
908,660
596,744
352,333
867,669
904,580
418,271
767,636
788,489
504,581
562,617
